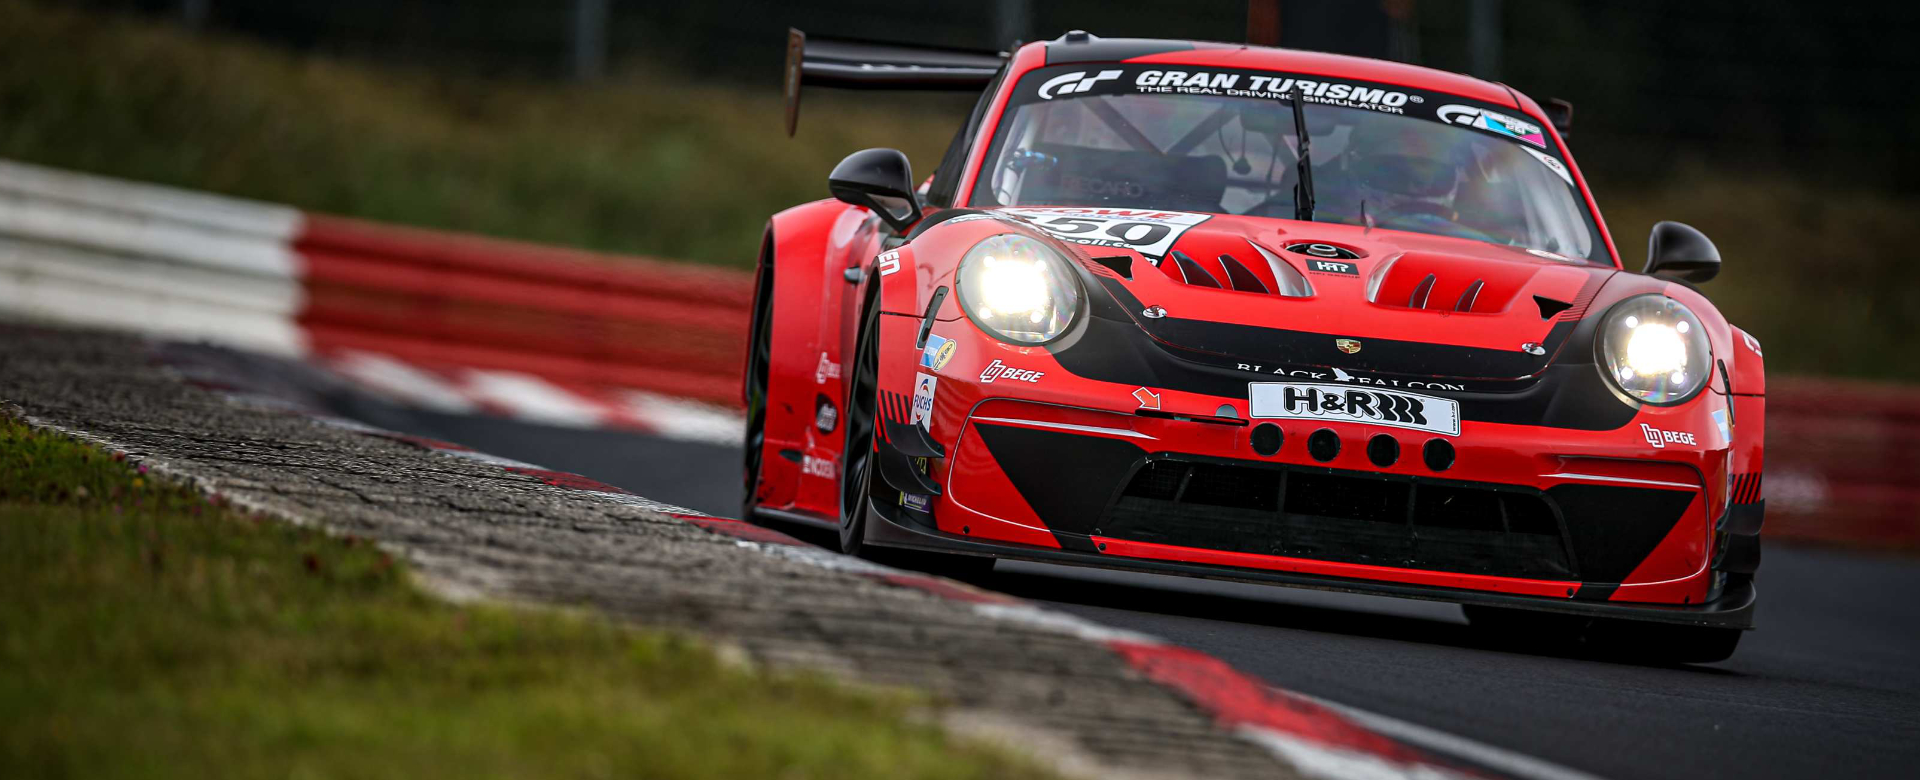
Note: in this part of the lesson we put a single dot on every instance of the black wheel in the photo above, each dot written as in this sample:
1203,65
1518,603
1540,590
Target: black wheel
759,353
856,466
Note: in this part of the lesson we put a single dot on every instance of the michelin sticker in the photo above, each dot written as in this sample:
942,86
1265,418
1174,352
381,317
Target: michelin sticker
1483,119
923,389
1146,231
937,352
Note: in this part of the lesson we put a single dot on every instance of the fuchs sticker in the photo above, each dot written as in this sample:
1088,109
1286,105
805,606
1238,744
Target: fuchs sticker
1492,122
937,352
1291,401
1661,438
923,389
1146,231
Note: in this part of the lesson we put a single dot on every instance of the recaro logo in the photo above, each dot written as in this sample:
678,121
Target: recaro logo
1074,82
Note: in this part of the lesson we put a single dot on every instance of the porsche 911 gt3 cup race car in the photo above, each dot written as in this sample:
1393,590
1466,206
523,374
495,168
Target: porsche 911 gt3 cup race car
1262,315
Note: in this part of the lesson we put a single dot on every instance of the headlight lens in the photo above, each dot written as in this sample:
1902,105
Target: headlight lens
1655,349
1017,289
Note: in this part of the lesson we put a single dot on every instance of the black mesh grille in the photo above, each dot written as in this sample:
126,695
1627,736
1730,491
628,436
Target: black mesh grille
1343,517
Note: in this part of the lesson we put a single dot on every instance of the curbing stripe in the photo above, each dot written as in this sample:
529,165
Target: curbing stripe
1311,736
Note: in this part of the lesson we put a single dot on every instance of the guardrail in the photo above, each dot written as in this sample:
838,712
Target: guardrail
467,323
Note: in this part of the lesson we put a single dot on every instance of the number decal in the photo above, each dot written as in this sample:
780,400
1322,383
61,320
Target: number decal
1148,232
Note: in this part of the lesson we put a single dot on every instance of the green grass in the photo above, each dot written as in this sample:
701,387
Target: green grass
147,633
641,163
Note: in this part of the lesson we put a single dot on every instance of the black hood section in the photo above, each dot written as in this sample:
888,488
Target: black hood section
1227,343
1567,394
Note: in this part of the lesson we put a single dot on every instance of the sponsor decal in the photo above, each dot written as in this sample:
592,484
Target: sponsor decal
1720,421
924,386
1501,124
1342,376
1324,92
1073,83
1553,164
937,352
1148,399
1660,439
998,370
1333,267
1342,403
1348,346
823,468
1752,343
825,414
826,370
889,263
1149,232
916,501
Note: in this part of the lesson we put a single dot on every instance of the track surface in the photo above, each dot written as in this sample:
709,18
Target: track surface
1829,685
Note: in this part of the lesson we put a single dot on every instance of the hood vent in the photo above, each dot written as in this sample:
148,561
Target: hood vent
1191,272
1550,307
1241,278
1467,298
1121,265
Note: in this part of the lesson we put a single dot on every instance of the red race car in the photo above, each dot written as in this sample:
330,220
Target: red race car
1262,315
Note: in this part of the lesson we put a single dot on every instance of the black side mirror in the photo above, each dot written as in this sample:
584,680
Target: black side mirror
1678,251
1559,112
881,180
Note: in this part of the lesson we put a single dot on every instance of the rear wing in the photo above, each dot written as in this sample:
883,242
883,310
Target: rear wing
827,62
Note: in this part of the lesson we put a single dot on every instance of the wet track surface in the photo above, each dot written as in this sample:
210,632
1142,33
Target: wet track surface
1829,685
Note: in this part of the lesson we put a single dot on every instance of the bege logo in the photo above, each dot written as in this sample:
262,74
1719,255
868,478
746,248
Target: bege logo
1077,81
999,370
1660,439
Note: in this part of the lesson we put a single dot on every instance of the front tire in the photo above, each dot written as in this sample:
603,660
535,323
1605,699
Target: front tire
754,387
856,467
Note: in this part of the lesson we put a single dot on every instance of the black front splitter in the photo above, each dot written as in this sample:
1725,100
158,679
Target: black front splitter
1732,609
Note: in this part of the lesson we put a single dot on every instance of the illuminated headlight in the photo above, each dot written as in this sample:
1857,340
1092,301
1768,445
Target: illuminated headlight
1017,289
1655,349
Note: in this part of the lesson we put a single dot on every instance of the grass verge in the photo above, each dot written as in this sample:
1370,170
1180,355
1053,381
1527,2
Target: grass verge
642,162
150,633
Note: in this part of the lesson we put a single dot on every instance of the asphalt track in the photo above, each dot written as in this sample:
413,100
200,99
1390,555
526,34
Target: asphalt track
1828,686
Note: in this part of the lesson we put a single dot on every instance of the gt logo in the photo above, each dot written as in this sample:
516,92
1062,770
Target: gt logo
1333,267
1660,439
889,263
1077,81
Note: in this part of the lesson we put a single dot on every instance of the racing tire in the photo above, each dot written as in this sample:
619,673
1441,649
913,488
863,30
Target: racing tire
862,481
861,409
754,382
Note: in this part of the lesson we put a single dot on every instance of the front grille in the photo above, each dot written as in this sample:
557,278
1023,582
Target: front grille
1345,517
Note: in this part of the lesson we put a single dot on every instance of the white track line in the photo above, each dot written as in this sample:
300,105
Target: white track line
1518,765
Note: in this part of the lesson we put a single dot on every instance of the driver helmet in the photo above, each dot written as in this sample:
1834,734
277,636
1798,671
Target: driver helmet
1404,166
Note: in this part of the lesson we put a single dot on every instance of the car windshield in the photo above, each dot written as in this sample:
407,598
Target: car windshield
1223,141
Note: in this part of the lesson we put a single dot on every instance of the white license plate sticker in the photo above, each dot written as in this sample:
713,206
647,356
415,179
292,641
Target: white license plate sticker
1346,403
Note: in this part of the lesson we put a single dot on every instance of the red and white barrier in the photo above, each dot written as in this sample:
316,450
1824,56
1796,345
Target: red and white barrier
461,323
445,321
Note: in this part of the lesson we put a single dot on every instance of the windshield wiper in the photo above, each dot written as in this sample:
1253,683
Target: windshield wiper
1303,187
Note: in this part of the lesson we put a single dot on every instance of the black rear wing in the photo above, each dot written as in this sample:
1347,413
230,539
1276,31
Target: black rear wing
827,62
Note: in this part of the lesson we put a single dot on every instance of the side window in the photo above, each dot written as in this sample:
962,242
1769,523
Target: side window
946,178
